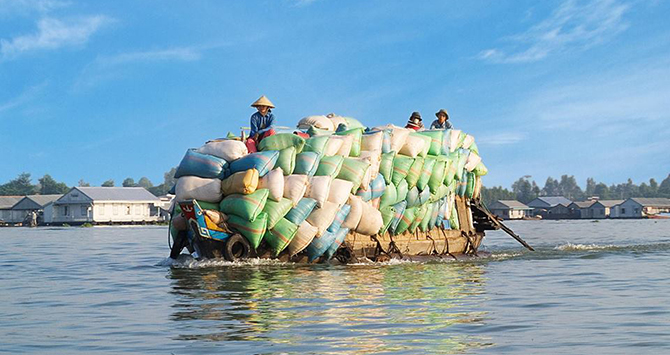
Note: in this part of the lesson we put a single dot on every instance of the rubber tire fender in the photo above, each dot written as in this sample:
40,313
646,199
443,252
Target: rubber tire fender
236,247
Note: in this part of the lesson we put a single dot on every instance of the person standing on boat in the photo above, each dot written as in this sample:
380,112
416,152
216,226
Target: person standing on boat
414,122
442,121
261,122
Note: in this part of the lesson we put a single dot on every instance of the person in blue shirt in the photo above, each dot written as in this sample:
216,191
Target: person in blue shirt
262,120
442,121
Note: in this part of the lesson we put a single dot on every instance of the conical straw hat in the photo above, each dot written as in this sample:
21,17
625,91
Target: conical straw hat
263,101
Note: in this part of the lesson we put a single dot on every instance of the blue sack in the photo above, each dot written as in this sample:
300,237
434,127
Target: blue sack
306,163
202,165
319,245
339,218
299,213
339,239
377,187
261,161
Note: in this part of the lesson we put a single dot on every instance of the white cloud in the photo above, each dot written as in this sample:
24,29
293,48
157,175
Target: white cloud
107,68
27,6
25,97
53,34
574,25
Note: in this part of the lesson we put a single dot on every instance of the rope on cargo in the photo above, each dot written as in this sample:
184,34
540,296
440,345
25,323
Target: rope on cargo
446,243
393,247
434,251
379,250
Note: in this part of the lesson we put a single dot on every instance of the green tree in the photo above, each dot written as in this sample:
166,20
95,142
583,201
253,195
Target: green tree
22,185
83,183
129,182
108,183
490,195
49,186
550,188
568,188
145,182
164,188
602,191
664,188
590,187
524,190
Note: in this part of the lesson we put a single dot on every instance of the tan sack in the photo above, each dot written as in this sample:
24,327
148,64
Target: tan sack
398,137
243,182
226,149
197,188
323,216
345,147
355,213
336,119
318,189
273,181
217,217
304,236
333,146
320,122
372,141
340,191
413,146
371,220
467,142
295,187
473,160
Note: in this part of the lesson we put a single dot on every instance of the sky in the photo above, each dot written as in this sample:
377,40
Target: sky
108,90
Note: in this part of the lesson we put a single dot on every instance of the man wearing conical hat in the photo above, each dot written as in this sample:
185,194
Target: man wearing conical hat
442,121
262,120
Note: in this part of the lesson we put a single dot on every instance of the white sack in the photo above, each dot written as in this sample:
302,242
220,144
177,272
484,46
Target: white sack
295,187
273,181
321,122
304,236
413,146
371,220
193,187
372,141
340,191
354,216
318,189
227,150
323,216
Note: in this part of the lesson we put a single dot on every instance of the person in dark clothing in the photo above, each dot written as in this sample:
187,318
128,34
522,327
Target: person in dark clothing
261,121
442,121
414,121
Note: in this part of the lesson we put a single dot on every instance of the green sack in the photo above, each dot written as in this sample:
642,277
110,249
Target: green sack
462,159
406,220
386,166
281,141
356,144
313,131
306,163
414,172
330,166
435,136
353,170
453,219
353,123
469,190
442,191
419,213
286,160
426,172
401,190
480,169
315,144
245,206
426,143
387,217
474,148
253,231
401,165
281,235
437,177
277,210
425,222
390,196
449,171
205,205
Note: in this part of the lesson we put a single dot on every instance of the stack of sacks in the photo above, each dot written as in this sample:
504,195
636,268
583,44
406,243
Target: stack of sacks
307,194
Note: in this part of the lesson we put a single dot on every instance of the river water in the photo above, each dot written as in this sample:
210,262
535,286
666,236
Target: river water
590,288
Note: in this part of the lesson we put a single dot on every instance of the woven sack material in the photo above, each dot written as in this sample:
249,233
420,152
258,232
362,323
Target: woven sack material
319,245
243,182
333,146
426,172
414,172
300,212
261,161
330,166
295,187
353,170
245,206
372,141
357,134
281,141
340,216
340,235
316,144
321,122
322,217
281,235
226,149
387,217
274,182
253,231
319,188
377,186
437,177
355,212
339,191
406,220
386,165
197,188
436,138
414,145
201,165
399,211
304,236
371,220
276,210
401,165
390,196
306,163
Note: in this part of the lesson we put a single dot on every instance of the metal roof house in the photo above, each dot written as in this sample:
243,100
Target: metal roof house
106,205
640,207
580,209
510,209
31,203
601,208
6,204
551,207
